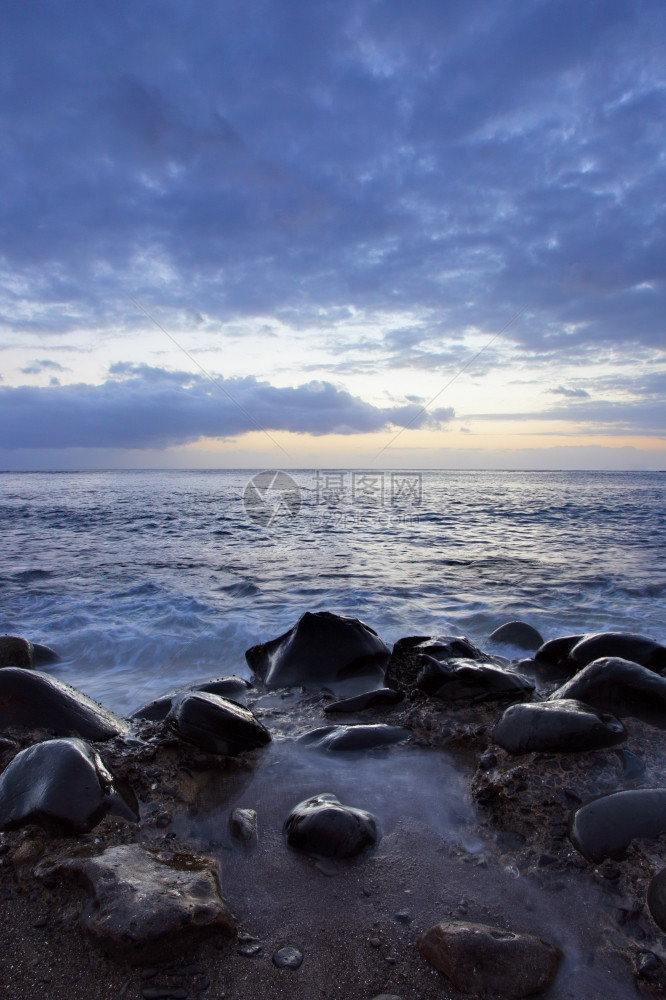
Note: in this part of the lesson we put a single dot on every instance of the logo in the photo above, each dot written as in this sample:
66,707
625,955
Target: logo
271,495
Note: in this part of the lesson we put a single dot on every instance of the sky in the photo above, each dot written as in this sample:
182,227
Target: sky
363,234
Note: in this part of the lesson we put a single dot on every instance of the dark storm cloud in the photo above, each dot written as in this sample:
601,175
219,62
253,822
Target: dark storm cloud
143,407
468,159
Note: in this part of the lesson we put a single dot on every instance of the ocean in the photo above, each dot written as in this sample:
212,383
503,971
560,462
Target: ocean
143,580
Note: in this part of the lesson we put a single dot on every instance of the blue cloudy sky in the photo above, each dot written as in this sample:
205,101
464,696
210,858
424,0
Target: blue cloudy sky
333,233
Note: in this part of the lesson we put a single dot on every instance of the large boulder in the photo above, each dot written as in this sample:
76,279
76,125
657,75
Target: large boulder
556,726
571,652
604,827
321,826
16,652
322,647
32,700
61,785
147,907
612,682
158,709
481,959
518,634
408,656
625,645
466,680
216,724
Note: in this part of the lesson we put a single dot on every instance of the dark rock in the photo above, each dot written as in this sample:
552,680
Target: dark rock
61,785
158,708
349,738
406,663
461,680
656,899
44,654
480,959
320,648
556,726
323,827
605,827
288,958
555,653
32,700
625,645
16,652
243,826
369,699
612,682
216,724
518,634
146,907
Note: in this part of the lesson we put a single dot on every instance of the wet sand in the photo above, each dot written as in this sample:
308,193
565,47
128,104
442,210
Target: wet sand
357,923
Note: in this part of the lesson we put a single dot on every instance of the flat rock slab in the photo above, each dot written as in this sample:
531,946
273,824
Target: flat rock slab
147,907
216,724
351,738
61,785
325,828
322,647
30,699
378,698
563,726
478,958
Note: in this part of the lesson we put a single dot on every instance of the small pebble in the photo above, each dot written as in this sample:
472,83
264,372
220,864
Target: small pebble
402,918
375,942
249,950
287,958
149,973
40,922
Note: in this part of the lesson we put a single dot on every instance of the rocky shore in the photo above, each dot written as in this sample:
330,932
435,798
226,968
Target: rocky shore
432,821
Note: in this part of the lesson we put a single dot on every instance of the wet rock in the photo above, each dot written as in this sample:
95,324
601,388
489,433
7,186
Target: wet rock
555,653
320,648
349,738
656,899
61,785
556,726
288,958
216,724
146,907
625,645
462,680
612,682
158,708
44,654
369,699
32,700
479,959
321,826
605,827
243,826
406,661
518,634
16,652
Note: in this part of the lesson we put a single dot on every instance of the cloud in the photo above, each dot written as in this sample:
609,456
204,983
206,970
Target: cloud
467,160
144,407
36,367
570,393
